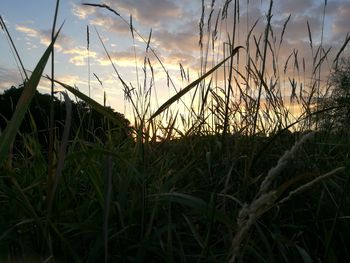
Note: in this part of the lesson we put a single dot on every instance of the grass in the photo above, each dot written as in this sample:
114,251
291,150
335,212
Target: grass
234,185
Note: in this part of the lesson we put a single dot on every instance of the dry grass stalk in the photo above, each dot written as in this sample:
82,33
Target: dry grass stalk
310,184
264,199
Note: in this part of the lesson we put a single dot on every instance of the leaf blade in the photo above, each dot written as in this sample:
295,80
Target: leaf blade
10,132
191,85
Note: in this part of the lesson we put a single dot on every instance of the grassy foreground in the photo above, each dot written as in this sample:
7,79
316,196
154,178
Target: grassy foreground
232,186
183,200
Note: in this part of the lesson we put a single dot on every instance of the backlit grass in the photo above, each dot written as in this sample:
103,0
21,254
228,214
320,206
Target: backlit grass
244,180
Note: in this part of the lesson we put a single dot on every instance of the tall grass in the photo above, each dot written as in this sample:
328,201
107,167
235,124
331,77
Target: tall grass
233,184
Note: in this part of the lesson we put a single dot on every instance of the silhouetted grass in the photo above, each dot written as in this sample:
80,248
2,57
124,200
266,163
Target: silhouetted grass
233,185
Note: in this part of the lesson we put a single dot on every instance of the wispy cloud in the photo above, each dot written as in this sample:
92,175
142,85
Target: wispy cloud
44,37
120,58
71,79
82,12
78,55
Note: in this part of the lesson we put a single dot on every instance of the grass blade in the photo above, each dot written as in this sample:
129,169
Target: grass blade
107,203
9,134
62,149
94,104
195,203
190,86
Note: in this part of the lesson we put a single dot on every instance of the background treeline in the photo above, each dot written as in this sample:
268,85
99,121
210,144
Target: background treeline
86,122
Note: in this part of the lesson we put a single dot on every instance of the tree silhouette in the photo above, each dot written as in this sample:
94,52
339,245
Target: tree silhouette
337,106
91,124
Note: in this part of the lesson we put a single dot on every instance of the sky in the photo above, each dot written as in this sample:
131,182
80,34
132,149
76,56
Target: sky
175,40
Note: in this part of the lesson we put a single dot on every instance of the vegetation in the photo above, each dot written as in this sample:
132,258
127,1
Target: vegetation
85,121
243,180
339,99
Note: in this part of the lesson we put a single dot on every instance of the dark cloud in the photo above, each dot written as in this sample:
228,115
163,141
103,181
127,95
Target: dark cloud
340,27
185,41
295,6
297,29
149,12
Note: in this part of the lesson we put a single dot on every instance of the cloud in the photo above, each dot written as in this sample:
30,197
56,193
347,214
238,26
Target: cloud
173,30
78,55
145,13
9,77
70,79
297,30
149,12
99,17
110,23
336,24
44,37
30,32
184,41
173,59
120,58
295,6
82,12
340,27
125,63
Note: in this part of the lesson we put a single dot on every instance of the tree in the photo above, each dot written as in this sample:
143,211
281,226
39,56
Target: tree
90,124
336,106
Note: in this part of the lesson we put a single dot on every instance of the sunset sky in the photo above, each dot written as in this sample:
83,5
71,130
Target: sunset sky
175,36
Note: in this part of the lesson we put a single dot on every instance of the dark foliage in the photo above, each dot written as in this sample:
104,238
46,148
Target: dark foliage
338,117
86,122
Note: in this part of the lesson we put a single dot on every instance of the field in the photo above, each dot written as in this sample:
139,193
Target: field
238,177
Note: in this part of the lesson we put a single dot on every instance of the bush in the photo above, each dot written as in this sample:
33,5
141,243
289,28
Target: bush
336,107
